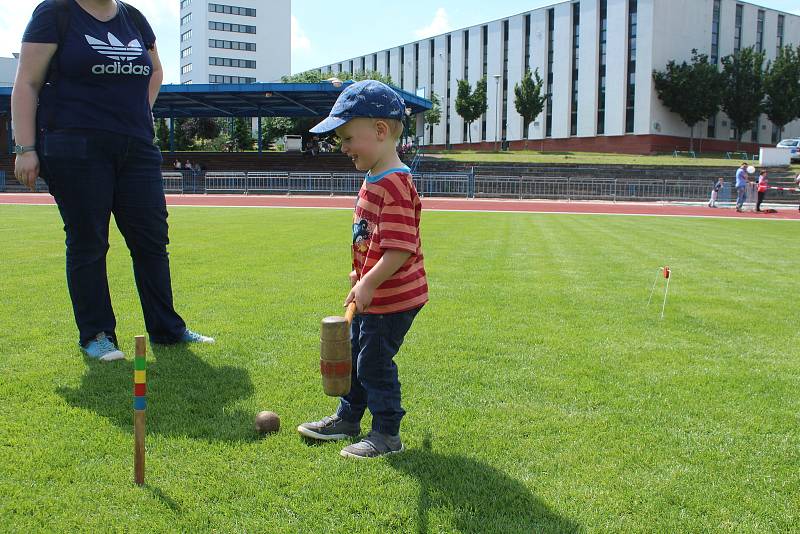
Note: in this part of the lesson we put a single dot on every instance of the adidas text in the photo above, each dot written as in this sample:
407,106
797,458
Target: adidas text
120,68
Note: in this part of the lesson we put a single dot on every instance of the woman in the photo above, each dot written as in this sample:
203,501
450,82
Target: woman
89,130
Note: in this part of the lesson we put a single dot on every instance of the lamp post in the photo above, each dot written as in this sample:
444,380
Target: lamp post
496,109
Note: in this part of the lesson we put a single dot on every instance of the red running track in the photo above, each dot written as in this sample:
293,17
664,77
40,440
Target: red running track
447,204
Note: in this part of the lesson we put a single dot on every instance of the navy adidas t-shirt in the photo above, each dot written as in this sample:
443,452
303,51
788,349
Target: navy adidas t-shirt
104,72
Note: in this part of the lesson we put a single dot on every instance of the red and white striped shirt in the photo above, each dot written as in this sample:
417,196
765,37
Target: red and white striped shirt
387,217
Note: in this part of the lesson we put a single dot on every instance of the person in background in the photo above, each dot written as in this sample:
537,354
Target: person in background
797,184
741,186
762,188
716,188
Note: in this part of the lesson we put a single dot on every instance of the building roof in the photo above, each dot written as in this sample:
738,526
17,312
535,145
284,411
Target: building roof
248,100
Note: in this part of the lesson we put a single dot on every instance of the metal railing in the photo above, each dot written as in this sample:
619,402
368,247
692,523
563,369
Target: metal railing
581,188
461,185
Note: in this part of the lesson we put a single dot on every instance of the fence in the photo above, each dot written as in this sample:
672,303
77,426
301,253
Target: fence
463,185
437,184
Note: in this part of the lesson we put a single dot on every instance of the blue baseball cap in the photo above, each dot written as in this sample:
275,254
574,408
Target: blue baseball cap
366,99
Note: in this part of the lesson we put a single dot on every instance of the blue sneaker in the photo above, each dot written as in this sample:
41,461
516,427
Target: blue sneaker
194,337
103,349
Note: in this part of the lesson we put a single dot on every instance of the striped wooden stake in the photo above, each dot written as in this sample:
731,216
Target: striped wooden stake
139,406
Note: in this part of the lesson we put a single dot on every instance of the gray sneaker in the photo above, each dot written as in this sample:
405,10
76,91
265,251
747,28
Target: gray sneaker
374,445
330,429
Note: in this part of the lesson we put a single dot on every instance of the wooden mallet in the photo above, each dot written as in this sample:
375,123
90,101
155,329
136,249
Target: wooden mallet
335,358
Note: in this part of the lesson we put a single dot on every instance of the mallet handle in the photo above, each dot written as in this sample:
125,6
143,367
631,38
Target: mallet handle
351,311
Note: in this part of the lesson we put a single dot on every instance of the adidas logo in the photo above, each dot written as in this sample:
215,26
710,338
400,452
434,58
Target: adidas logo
114,49
119,52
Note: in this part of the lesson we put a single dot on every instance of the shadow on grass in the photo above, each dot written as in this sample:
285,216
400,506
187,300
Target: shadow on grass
185,395
480,497
165,499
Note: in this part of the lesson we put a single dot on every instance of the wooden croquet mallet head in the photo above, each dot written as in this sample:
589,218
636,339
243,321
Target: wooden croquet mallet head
335,354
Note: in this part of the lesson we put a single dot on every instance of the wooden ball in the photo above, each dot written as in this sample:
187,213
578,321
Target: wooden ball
267,422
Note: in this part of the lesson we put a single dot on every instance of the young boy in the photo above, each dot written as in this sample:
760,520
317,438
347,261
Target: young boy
715,192
388,280
763,185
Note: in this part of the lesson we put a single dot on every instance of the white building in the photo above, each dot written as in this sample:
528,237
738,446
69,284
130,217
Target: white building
236,41
597,59
8,70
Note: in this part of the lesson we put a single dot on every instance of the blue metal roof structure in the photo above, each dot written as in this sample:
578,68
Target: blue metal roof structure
248,100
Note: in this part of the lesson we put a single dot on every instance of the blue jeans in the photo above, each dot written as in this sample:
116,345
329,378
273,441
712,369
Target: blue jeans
740,195
375,340
92,174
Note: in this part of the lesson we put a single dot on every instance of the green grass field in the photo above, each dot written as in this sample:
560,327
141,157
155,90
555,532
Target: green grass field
543,395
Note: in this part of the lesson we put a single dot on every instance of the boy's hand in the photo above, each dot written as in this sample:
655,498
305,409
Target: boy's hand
362,294
353,278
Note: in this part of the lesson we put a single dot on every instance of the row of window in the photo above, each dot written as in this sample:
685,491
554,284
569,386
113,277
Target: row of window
231,45
185,3
216,78
228,27
232,10
232,62
630,99
603,62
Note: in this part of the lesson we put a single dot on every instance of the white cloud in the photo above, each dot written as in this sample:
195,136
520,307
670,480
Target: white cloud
440,24
299,39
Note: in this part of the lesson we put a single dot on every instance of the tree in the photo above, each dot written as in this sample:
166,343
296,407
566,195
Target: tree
206,129
470,105
529,99
479,102
314,76
434,115
782,87
162,134
184,135
692,91
743,89
202,128
242,134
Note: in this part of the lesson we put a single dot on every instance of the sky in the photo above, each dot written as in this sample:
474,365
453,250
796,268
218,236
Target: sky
323,31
